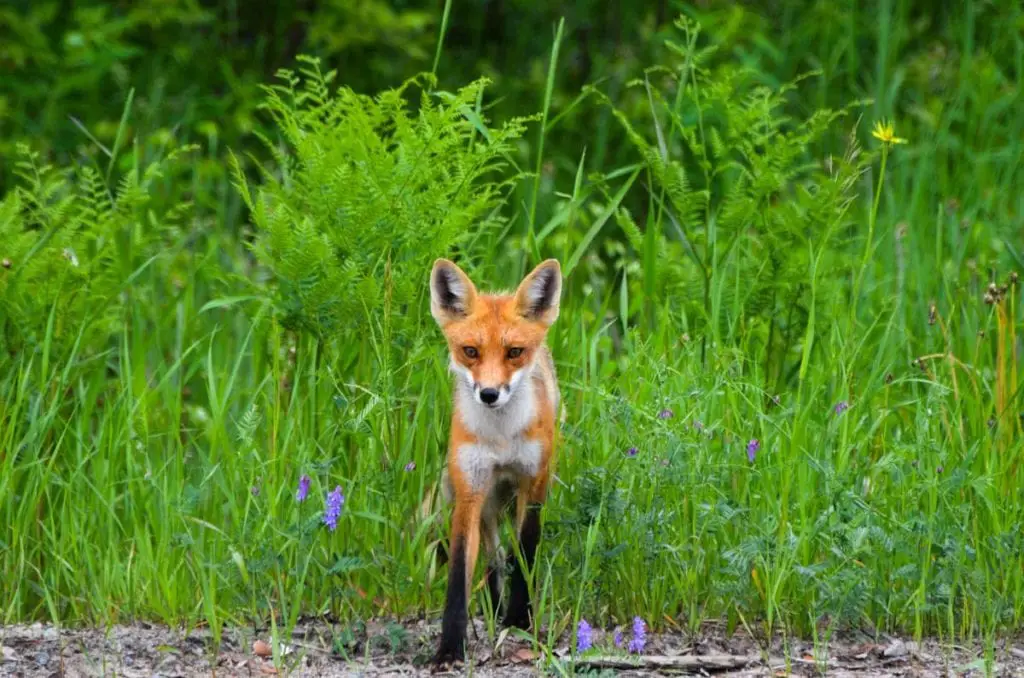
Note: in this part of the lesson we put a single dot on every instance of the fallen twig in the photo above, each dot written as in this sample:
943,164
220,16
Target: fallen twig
691,662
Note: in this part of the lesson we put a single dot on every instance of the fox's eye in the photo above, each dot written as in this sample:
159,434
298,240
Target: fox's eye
471,352
514,353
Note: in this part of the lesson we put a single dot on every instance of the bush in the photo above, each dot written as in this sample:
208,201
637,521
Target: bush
368,193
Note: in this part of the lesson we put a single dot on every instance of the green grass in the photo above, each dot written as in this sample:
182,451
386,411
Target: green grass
151,472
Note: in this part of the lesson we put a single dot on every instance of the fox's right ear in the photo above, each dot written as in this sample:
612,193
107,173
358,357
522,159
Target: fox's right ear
452,293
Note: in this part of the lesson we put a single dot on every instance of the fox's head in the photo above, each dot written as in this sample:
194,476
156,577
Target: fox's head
494,338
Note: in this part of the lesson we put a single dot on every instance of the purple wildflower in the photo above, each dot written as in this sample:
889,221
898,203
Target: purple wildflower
300,495
752,447
632,452
639,640
939,469
617,638
698,424
584,637
335,500
841,407
411,466
665,414
255,489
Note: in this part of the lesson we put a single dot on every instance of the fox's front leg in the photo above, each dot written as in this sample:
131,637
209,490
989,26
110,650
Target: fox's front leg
529,501
462,553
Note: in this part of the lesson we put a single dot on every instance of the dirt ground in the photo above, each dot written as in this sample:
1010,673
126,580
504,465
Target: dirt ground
388,648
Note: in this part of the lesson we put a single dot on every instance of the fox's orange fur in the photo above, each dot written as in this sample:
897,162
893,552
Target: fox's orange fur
502,442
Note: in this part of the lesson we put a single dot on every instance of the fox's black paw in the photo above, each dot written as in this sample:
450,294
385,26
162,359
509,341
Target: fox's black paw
517,617
449,655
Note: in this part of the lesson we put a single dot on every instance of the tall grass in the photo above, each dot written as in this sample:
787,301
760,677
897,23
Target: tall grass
787,466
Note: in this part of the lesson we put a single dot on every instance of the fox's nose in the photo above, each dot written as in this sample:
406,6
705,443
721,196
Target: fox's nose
489,395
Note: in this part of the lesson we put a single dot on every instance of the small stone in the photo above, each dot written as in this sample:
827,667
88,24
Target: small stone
8,654
261,649
51,633
42,659
896,648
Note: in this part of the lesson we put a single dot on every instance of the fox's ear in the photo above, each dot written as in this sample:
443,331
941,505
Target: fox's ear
538,295
452,293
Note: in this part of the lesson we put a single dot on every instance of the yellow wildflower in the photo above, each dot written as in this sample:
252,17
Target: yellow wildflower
885,133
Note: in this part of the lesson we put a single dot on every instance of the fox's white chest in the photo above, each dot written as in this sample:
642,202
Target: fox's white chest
483,463
501,449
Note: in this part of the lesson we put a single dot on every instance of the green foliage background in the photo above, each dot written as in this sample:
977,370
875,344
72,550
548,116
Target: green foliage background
214,275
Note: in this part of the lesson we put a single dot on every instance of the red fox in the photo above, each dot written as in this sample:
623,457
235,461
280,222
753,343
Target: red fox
502,442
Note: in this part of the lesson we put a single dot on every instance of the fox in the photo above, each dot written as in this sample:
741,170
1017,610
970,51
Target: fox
501,448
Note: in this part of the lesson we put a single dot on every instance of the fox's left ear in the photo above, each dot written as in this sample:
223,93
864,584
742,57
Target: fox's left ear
538,295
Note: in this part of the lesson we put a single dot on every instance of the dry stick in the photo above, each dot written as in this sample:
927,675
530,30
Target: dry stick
714,662
707,662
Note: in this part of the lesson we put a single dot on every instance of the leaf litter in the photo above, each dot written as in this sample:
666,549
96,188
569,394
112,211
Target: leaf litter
388,647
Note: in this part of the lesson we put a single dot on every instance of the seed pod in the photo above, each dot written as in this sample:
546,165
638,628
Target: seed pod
6,263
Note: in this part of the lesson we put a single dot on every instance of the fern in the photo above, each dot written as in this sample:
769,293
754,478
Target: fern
367,192
743,197
69,248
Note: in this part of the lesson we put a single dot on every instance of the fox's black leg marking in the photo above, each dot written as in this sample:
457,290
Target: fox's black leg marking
441,554
453,624
494,586
520,610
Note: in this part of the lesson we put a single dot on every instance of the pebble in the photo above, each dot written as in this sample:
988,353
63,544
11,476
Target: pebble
897,648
